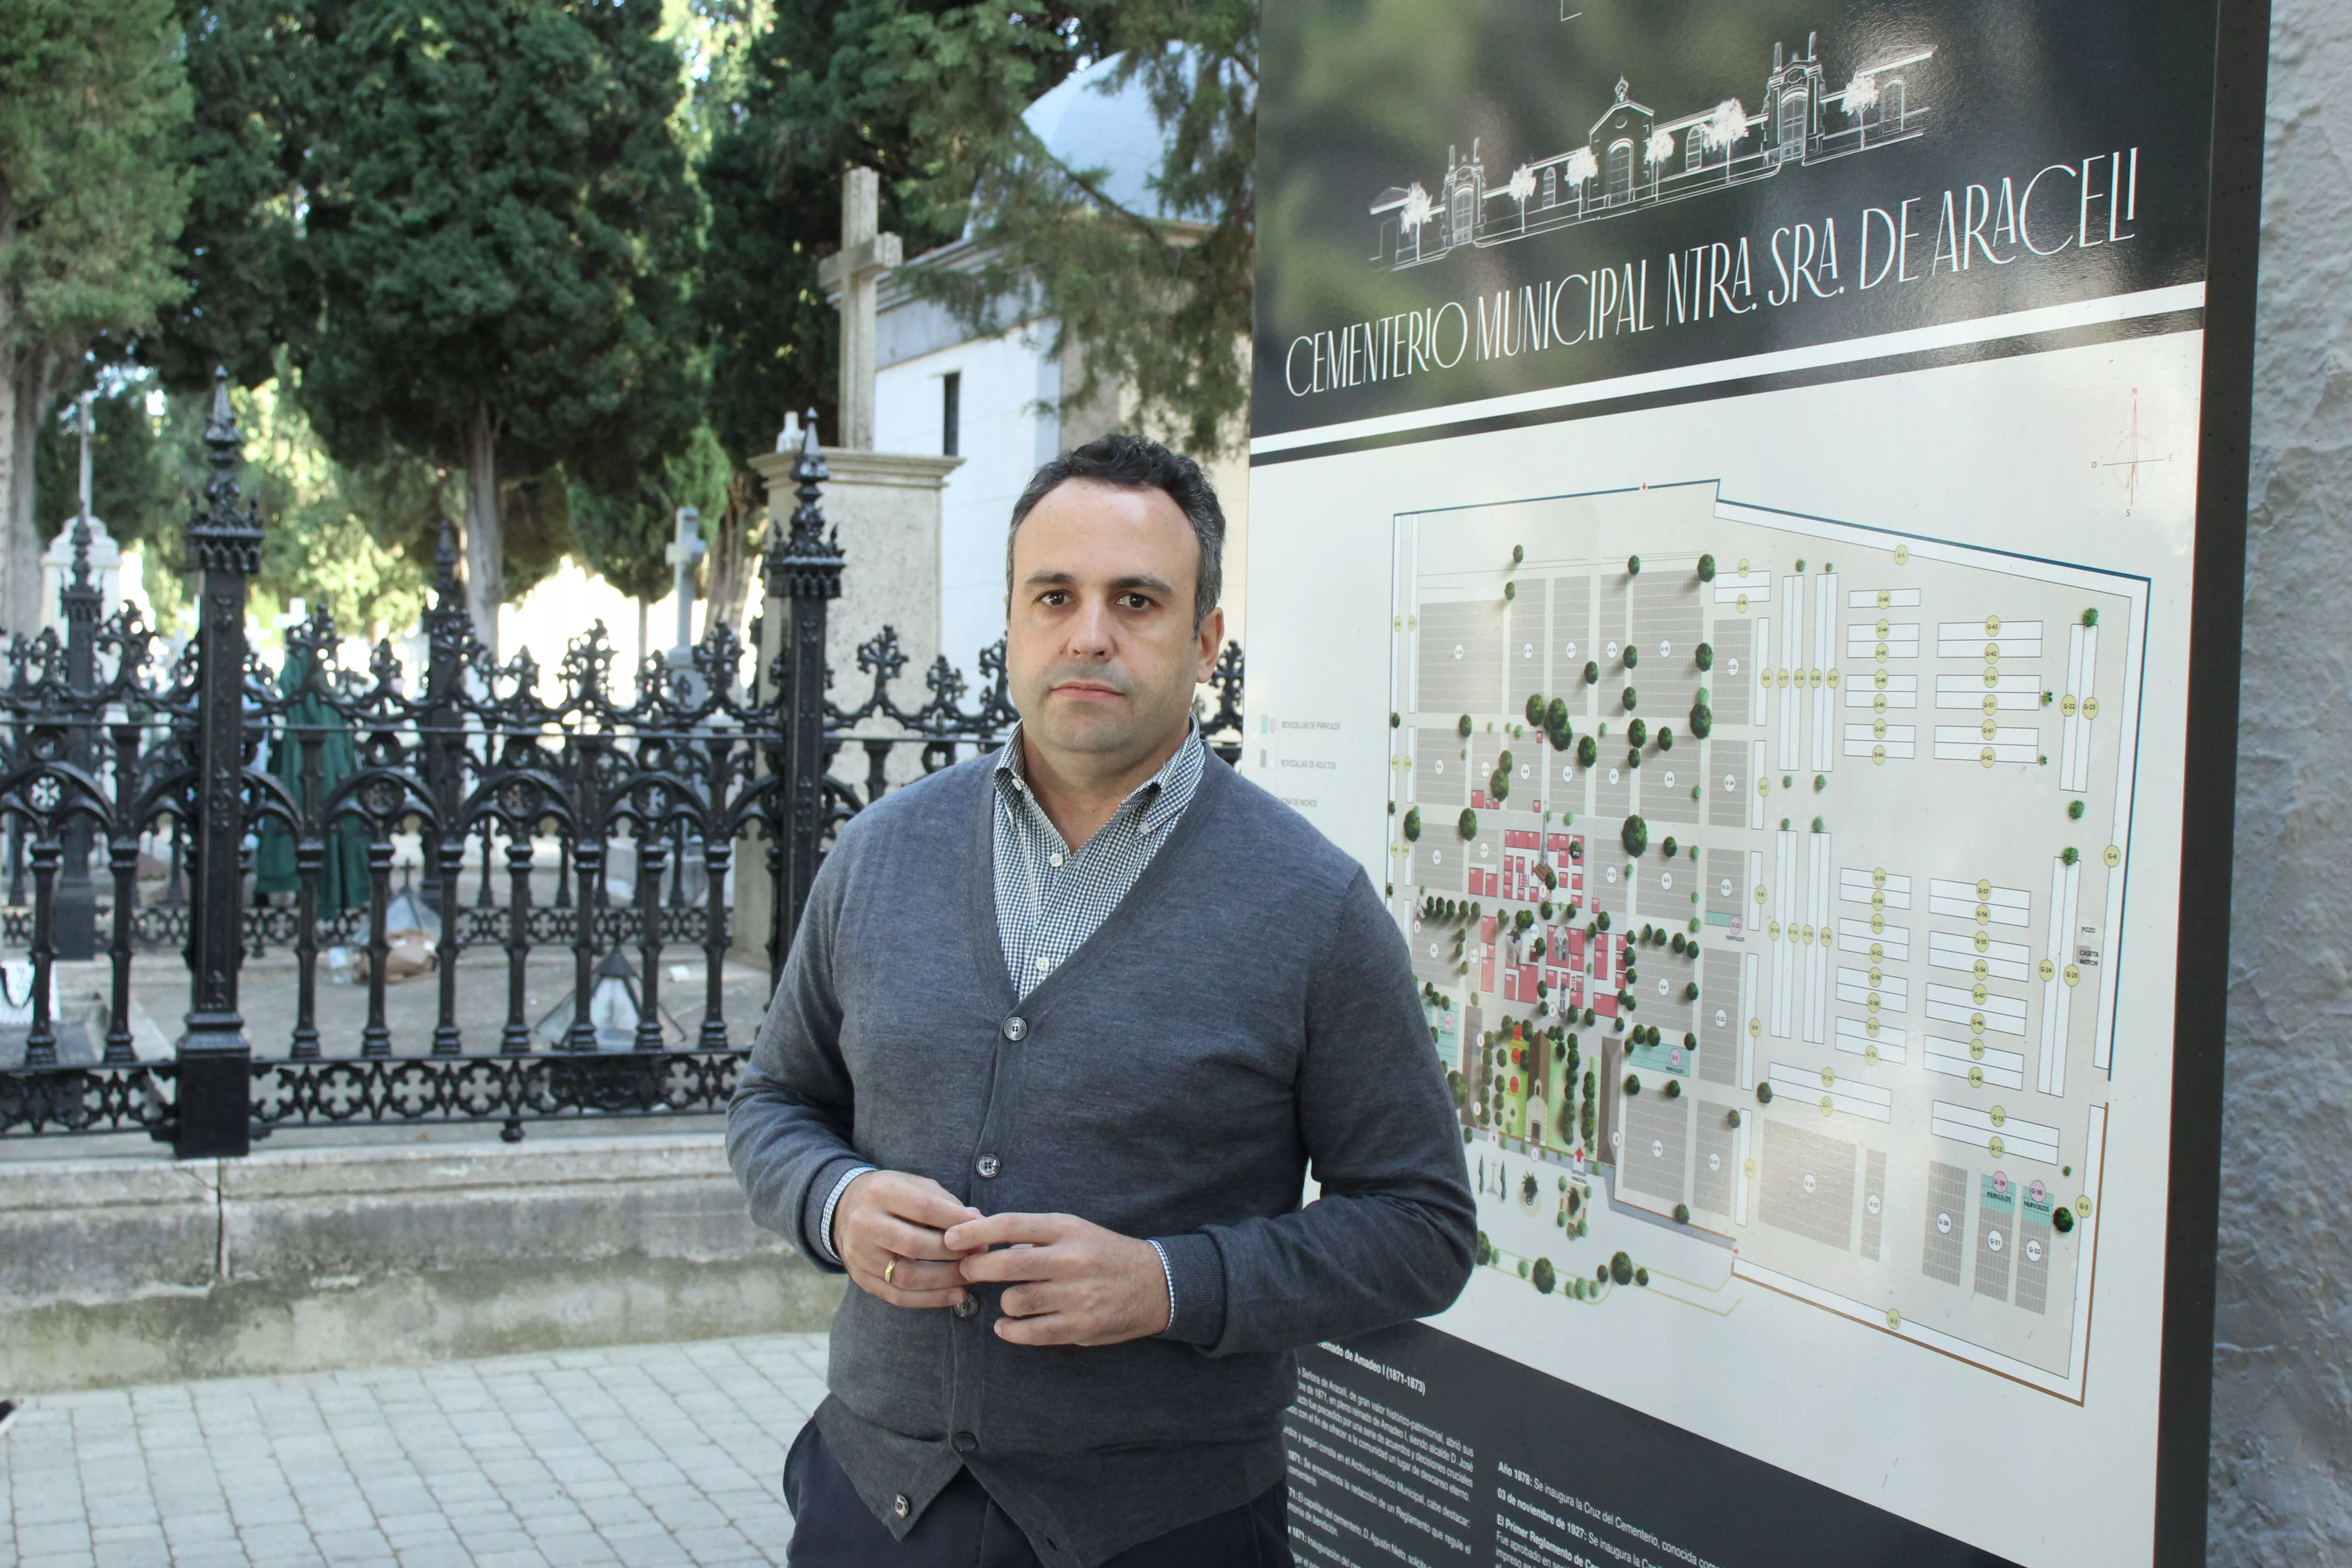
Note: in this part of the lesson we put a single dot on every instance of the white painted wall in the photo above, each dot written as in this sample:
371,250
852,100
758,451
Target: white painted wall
1004,438
2282,1456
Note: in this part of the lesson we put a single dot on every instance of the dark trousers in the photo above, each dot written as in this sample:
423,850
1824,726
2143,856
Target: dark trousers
963,1528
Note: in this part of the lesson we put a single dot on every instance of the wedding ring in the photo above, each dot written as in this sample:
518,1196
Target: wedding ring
888,1269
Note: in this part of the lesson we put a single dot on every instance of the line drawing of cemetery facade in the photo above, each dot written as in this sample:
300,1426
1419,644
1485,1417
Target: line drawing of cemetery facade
1634,158
1792,1041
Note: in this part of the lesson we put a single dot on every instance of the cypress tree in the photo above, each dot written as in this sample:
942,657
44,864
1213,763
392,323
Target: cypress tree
501,228
91,100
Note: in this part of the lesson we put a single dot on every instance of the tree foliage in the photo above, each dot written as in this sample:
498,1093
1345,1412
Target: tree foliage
142,464
626,538
1159,306
251,292
91,98
781,130
931,93
358,542
501,226
468,237
470,225
333,535
802,114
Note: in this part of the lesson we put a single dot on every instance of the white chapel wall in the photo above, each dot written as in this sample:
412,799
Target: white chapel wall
1002,437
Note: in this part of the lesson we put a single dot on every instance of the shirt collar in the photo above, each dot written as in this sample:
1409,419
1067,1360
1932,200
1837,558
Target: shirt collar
1155,802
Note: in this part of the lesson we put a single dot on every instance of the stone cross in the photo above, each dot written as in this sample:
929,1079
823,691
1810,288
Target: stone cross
864,256
686,548
88,427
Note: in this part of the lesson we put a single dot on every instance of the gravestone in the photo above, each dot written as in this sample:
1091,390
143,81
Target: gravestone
105,555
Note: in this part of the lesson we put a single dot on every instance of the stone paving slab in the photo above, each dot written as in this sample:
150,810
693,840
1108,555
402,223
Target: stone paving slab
638,1456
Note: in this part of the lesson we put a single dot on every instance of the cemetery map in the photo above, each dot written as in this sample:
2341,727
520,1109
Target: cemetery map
1762,875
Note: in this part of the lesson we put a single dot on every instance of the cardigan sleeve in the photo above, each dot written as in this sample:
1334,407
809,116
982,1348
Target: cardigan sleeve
1392,1236
790,1125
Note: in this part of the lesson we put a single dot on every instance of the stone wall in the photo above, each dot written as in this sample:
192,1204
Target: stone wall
2282,1455
135,1269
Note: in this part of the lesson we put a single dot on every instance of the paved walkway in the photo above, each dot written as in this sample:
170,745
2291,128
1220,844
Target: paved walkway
644,1456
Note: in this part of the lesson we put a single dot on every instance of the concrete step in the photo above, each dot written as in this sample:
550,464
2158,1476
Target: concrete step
124,1266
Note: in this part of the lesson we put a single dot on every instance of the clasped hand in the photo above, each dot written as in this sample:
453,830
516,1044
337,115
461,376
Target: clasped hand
906,1240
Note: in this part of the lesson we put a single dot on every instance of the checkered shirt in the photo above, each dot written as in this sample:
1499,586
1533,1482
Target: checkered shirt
1049,900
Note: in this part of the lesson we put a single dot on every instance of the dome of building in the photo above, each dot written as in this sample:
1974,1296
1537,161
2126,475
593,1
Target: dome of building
1089,122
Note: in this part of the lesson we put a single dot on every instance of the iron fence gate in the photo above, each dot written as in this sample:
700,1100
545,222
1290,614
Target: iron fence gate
706,775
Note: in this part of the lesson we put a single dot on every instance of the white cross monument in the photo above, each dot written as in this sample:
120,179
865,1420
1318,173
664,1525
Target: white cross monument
105,555
854,271
686,548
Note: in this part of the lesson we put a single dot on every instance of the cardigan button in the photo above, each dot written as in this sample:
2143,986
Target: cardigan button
1015,1028
965,1307
900,1506
965,1442
988,1166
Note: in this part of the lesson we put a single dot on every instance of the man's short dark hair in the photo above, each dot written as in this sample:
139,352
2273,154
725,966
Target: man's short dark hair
1133,463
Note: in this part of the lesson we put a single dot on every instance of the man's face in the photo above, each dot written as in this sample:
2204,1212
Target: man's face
1101,656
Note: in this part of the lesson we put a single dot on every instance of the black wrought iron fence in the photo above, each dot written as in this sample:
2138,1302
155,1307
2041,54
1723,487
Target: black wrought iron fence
721,785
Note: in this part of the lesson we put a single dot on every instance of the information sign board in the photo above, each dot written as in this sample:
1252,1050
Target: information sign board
1747,512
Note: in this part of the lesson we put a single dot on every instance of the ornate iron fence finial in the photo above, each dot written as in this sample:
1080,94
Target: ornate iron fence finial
79,582
805,564
808,516
224,535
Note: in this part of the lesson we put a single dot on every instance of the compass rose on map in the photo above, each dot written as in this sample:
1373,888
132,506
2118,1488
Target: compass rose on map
2133,453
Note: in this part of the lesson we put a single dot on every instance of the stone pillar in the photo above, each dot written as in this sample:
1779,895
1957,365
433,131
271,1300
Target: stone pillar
885,507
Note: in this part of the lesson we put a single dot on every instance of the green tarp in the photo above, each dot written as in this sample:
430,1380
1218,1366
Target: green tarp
344,879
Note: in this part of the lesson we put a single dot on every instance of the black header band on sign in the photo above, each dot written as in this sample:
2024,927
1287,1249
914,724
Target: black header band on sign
1444,241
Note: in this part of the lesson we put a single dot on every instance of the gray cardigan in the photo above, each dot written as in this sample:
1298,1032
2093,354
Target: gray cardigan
1246,1010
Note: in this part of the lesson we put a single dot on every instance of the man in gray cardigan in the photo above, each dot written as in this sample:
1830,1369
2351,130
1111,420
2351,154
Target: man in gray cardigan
1062,1033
